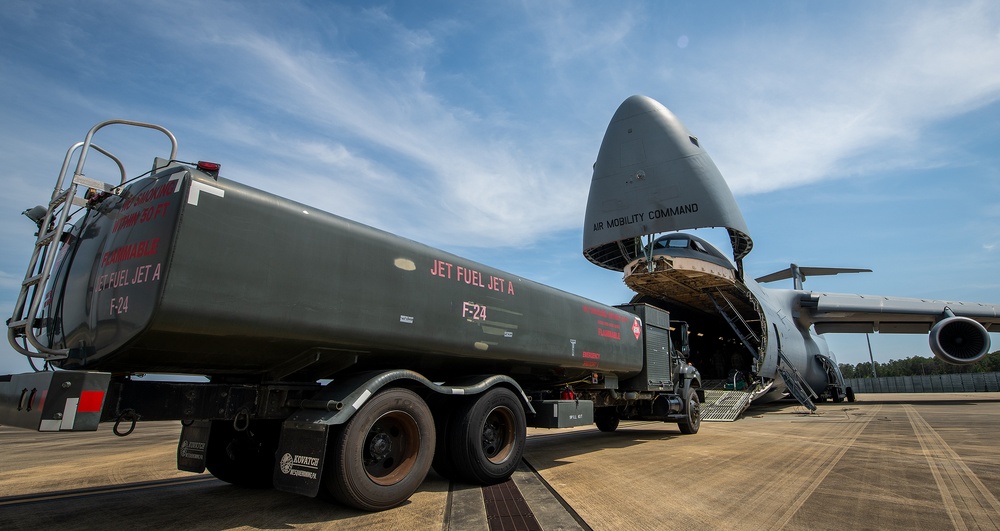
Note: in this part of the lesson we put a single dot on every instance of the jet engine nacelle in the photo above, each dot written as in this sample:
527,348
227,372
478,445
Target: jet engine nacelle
959,340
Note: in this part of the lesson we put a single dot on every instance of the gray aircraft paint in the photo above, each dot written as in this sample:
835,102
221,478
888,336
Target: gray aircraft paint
652,176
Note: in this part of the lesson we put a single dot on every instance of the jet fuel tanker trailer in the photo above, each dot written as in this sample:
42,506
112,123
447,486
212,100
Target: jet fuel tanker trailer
339,357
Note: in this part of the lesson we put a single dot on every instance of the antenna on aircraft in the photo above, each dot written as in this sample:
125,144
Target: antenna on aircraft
798,274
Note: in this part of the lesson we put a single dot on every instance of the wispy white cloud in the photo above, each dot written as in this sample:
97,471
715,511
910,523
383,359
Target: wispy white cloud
461,179
10,281
476,124
571,34
779,109
853,98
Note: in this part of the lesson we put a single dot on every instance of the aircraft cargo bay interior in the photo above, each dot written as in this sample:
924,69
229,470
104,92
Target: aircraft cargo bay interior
691,279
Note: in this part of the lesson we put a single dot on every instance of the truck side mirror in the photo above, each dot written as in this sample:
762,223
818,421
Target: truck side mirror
685,346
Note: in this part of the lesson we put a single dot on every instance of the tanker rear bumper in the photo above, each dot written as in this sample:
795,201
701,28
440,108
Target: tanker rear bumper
53,400
80,400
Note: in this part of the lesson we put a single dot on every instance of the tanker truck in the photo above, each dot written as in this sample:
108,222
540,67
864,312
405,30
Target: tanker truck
329,356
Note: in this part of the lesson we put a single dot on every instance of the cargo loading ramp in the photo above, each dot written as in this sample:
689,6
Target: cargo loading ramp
723,405
688,281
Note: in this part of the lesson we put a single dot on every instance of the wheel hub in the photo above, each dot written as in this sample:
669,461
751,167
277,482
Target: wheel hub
380,446
490,439
497,435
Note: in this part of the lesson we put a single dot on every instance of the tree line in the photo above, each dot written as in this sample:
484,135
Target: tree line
917,366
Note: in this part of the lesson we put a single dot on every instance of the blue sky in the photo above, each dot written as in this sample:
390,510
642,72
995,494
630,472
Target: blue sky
854,134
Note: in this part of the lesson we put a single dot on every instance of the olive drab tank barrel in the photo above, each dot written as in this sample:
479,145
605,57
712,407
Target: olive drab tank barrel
651,176
188,272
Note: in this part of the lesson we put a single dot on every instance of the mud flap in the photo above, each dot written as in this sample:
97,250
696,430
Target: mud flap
192,445
299,465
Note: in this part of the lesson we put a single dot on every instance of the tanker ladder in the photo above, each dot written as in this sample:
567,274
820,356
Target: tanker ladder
51,223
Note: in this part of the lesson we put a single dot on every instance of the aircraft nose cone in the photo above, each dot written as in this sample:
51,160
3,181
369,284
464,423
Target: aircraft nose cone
635,105
642,117
652,176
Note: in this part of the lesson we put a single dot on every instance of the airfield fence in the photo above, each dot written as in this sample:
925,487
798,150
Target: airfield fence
973,382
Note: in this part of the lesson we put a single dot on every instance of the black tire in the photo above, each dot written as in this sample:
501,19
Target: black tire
442,409
487,436
692,414
606,422
380,457
849,392
835,395
243,458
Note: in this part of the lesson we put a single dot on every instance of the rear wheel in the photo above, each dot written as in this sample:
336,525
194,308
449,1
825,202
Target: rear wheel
835,395
606,422
487,437
383,453
442,409
243,457
849,392
692,414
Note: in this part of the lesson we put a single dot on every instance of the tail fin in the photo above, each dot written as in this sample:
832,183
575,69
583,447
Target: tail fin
798,274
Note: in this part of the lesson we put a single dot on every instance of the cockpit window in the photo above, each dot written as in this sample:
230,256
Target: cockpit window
684,245
672,243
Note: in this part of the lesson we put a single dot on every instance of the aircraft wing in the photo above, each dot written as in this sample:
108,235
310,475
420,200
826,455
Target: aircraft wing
842,312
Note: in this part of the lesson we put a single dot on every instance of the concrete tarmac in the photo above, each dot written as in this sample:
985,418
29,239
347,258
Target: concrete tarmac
887,461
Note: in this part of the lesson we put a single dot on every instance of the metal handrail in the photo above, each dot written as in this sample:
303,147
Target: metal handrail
50,234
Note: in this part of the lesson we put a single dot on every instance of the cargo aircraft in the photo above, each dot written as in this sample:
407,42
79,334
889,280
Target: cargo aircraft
652,178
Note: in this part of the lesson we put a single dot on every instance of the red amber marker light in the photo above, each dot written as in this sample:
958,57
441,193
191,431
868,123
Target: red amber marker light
208,166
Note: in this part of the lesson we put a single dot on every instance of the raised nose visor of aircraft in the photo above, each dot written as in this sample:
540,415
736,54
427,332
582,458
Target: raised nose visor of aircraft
653,176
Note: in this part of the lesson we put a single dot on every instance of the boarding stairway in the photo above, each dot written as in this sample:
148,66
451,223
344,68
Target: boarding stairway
722,403
796,384
52,221
736,322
